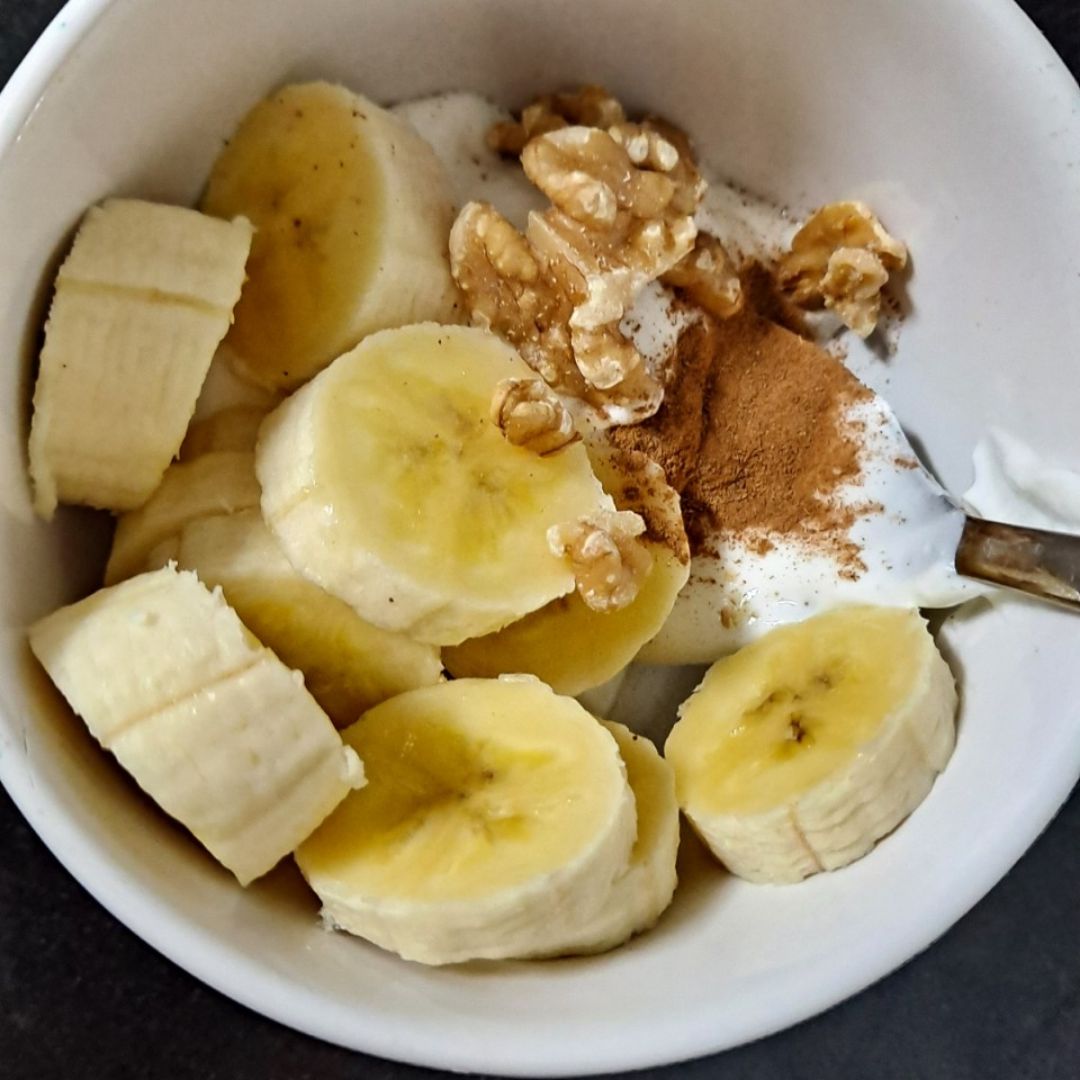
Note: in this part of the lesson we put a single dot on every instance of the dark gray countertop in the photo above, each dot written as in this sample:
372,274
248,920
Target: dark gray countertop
998,998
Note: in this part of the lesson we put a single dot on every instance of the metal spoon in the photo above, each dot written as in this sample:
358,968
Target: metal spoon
1035,561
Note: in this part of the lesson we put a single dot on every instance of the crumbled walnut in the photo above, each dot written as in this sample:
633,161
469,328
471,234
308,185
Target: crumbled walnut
591,105
530,415
852,288
708,277
843,226
609,560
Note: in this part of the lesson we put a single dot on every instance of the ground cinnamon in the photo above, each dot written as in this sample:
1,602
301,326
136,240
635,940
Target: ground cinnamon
753,436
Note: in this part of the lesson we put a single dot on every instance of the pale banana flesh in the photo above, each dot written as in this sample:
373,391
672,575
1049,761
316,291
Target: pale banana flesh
233,429
645,888
141,302
208,722
497,819
352,212
219,482
348,664
567,644
799,752
387,483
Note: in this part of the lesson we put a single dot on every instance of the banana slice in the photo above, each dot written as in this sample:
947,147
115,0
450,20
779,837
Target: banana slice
387,483
643,891
235,429
797,753
141,302
568,645
352,211
215,483
209,723
348,664
497,818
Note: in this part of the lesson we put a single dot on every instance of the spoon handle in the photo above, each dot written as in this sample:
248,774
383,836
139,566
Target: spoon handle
1035,561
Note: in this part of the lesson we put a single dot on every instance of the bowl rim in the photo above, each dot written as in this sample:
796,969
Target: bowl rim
274,996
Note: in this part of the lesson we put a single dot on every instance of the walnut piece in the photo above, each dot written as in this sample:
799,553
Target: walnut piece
658,145
852,288
590,105
603,355
609,560
709,278
530,415
842,227
591,177
507,292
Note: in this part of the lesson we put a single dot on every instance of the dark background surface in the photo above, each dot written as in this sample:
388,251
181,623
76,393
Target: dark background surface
998,998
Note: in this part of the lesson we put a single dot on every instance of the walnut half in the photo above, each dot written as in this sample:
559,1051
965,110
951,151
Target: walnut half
842,257
609,560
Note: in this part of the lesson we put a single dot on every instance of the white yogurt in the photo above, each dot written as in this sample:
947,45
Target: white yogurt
748,227
654,324
1015,485
455,124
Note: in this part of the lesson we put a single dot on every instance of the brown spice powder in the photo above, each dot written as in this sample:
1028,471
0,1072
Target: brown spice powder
752,435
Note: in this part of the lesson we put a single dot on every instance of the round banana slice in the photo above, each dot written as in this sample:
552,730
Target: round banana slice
643,891
214,483
352,211
348,664
496,818
387,483
797,753
567,644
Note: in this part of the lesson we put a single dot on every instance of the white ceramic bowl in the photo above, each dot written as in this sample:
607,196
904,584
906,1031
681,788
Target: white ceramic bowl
952,117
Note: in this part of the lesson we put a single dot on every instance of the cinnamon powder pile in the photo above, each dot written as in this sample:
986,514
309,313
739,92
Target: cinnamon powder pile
752,434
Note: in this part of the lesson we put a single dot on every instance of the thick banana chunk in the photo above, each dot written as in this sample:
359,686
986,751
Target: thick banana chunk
387,483
567,644
141,302
209,723
352,211
797,753
643,891
221,482
348,664
497,819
